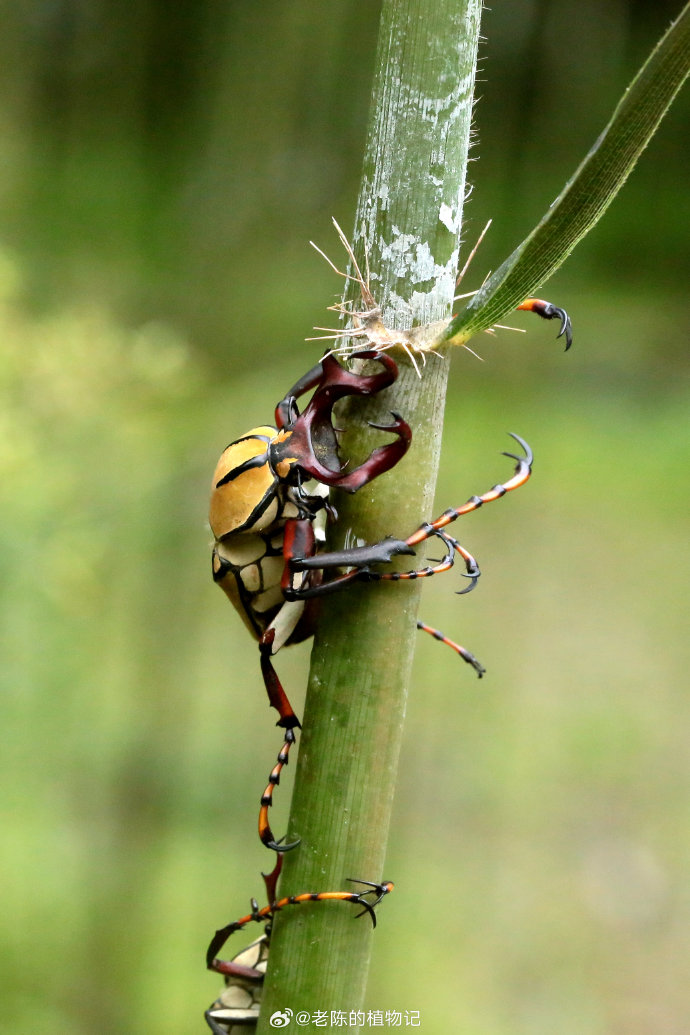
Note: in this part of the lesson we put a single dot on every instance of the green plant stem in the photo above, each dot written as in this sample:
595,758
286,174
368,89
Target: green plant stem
409,218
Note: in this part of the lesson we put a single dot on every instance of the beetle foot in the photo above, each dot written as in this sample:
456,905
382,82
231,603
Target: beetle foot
280,845
380,890
549,311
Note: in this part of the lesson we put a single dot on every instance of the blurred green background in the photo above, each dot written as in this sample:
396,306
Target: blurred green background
163,168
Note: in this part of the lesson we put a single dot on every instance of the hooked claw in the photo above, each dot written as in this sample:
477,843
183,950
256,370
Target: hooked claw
528,458
379,889
278,846
549,311
566,328
474,577
472,571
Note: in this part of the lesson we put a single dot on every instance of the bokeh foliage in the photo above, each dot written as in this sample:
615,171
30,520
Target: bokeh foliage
163,171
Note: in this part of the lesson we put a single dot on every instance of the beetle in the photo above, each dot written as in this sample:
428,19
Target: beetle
264,517
240,1001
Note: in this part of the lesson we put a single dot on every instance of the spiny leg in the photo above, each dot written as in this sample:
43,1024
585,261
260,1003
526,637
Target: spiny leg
462,651
271,879
360,558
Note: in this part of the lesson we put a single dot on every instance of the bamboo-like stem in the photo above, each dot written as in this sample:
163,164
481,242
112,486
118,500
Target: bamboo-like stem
409,216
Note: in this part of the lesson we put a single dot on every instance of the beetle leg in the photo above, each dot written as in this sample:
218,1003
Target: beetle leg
323,589
289,721
523,470
265,832
215,1028
452,547
357,557
358,898
277,697
359,560
379,889
221,936
240,1000
462,651
298,536
382,552
548,311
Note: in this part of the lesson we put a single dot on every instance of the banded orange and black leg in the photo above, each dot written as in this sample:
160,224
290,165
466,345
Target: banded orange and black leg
290,723
265,832
446,562
360,559
465,654
522,473
358,898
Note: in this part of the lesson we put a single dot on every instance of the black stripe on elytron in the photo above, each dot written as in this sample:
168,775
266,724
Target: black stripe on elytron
270,495
248,465
248,438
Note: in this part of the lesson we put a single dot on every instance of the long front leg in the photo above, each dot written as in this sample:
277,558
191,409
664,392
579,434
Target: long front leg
361,559
522,473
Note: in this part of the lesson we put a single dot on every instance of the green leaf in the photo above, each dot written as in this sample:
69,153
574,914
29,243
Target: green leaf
590,191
